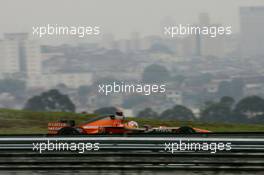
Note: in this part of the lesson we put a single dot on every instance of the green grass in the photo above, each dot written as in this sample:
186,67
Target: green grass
216,127
28,122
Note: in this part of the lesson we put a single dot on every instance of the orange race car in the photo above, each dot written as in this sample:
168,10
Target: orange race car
113,124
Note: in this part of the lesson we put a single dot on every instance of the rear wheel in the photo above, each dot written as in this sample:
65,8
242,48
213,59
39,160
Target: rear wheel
186,130
68,131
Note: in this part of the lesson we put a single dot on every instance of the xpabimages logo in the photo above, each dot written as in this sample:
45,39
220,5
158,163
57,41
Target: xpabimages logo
61,30
64,146
146,89
211,31
212,147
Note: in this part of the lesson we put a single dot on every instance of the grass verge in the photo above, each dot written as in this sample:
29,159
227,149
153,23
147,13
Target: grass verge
28,122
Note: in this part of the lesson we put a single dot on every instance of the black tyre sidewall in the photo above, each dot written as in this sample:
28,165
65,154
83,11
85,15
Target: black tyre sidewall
68,131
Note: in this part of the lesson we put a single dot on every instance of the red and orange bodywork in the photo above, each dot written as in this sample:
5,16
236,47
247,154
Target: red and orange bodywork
105,124
114,124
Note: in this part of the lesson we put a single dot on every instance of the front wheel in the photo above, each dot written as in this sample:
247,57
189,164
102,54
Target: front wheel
186,130
68,131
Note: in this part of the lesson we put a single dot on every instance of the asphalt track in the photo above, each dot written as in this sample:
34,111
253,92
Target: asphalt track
135,155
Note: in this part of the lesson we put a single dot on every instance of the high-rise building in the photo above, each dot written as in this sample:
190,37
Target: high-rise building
18,54
205,44
33,58
212,46
9,57
251,31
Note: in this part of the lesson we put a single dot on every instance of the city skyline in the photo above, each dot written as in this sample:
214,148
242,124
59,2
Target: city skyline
198,67
121,22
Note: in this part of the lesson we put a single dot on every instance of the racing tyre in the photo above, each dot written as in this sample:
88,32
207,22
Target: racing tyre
68,131
186,130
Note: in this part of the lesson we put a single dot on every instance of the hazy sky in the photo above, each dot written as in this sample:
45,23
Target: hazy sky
120,17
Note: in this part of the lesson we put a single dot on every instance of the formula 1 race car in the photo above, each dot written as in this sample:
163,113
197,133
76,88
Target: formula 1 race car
113,124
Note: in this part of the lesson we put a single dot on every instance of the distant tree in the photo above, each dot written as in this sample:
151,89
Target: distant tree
147,113
227,101
155,73
106,110
216,112
178,112
251,106
51,100
221,111
258,119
